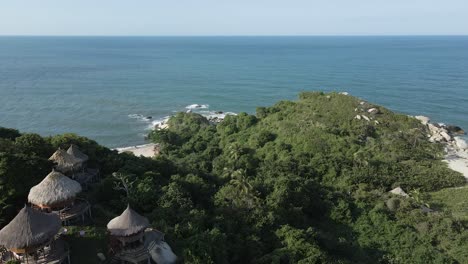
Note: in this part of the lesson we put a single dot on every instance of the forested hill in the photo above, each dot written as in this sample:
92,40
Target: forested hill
303,181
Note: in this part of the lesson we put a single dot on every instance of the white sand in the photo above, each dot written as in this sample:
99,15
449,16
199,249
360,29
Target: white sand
457,160
146,150
460,165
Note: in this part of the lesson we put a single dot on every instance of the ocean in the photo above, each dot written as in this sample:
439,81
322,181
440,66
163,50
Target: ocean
104,88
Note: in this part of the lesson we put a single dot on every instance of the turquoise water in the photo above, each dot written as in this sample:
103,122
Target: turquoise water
98,86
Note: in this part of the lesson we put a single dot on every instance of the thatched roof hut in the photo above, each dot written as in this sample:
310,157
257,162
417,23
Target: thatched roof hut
29,229
65,162
55,190
127,224
74,151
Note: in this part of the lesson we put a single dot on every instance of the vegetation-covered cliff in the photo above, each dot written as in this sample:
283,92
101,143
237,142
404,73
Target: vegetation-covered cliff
299,182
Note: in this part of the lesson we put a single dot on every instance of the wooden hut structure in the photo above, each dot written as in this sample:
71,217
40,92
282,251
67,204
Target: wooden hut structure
127,233
55,191
30,238
58,193
65,163
75,152
83,174
73,163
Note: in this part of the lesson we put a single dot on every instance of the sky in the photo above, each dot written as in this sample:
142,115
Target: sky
233,17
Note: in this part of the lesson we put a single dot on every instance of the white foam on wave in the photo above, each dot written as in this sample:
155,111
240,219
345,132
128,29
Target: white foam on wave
155,123
140,117
214,114
149,120
197,106
158,122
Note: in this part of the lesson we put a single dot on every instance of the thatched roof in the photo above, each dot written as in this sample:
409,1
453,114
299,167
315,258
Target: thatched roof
128,223
76,153
65,162
54,189
29,228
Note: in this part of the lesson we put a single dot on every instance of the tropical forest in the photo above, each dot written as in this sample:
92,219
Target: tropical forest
303,181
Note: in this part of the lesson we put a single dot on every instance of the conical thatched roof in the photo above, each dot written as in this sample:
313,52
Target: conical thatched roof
29,228
76,153
65,162
128,223
54,189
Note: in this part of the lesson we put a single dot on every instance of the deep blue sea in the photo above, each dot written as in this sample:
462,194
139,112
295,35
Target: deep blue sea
100,87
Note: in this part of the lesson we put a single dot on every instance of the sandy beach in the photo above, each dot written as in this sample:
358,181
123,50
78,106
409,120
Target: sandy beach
147,150
457,160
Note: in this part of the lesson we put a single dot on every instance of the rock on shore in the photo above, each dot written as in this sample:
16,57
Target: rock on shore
456,147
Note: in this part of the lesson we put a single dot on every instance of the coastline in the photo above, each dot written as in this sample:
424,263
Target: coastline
151,149
146,150
457,160
456,148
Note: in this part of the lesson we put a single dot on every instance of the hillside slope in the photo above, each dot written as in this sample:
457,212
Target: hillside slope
303,181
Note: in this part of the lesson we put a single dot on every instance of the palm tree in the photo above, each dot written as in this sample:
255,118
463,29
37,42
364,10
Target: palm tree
248,196
235,151
239,179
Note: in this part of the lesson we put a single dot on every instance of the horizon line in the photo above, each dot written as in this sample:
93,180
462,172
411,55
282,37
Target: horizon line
250,35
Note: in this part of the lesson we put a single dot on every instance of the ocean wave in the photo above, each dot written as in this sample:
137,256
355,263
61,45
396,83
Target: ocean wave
140,117
215,114
197,106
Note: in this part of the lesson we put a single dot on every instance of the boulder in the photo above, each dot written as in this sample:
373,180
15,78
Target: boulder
461,144
455,130
423,119
366,118
358,117
436,138
373,111
434,129
344,93
445,135
399,191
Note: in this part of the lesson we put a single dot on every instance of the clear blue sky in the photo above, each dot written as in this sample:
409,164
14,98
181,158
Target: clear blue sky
233,17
